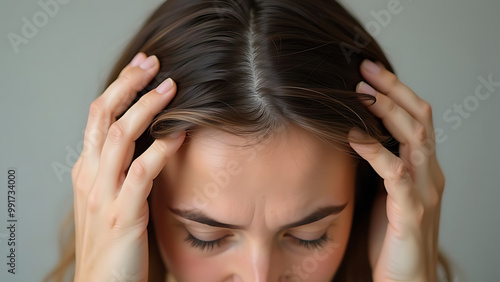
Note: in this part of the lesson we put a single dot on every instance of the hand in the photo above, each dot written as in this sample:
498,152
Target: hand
111,208
403,239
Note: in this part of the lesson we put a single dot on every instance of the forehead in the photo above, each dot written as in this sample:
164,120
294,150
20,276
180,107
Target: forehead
293,168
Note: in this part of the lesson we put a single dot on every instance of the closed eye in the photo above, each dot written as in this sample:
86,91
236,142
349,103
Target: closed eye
209,245
312,244
202,245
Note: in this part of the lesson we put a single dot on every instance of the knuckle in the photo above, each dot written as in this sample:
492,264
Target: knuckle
145,103
377,150
161,148
113,220
400,170
97,108
373,152
426,109
128,79
391,107
93,203
116,132
93,134
138,169
79,187
420,133
124,78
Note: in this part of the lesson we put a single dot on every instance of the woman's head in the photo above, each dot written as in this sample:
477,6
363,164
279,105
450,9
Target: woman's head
266,93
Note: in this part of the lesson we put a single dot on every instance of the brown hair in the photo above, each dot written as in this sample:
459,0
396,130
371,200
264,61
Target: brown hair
252,67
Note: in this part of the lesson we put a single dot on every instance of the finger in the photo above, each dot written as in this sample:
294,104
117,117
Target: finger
79,201
137,185
76,211
136,61
93,133
79,212
76,168
114,101
389,84
88,161
415,145
124,132
399,122
392,169
413,135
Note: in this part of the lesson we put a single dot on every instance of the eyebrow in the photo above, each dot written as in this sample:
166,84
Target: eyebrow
200,217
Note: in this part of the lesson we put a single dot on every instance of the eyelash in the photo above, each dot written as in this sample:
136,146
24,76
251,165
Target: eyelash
209,245
197,243
313,244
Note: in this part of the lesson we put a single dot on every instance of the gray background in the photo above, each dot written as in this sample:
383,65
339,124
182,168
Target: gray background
438,48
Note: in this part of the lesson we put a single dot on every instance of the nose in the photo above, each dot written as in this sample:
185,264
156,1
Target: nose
259,262
256,265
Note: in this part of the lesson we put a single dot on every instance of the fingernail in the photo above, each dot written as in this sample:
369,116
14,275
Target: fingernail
138,58
148,63
363,87
165,86
175,134
370,66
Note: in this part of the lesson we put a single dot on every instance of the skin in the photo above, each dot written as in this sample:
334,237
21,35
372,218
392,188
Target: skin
112,212
405,220
260,188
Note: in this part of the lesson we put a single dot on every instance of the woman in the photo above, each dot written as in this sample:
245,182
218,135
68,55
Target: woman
276,171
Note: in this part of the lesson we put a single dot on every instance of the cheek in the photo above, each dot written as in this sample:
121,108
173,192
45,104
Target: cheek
186,266
318,267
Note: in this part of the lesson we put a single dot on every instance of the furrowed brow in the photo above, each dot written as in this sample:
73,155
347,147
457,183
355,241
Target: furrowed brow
200,217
